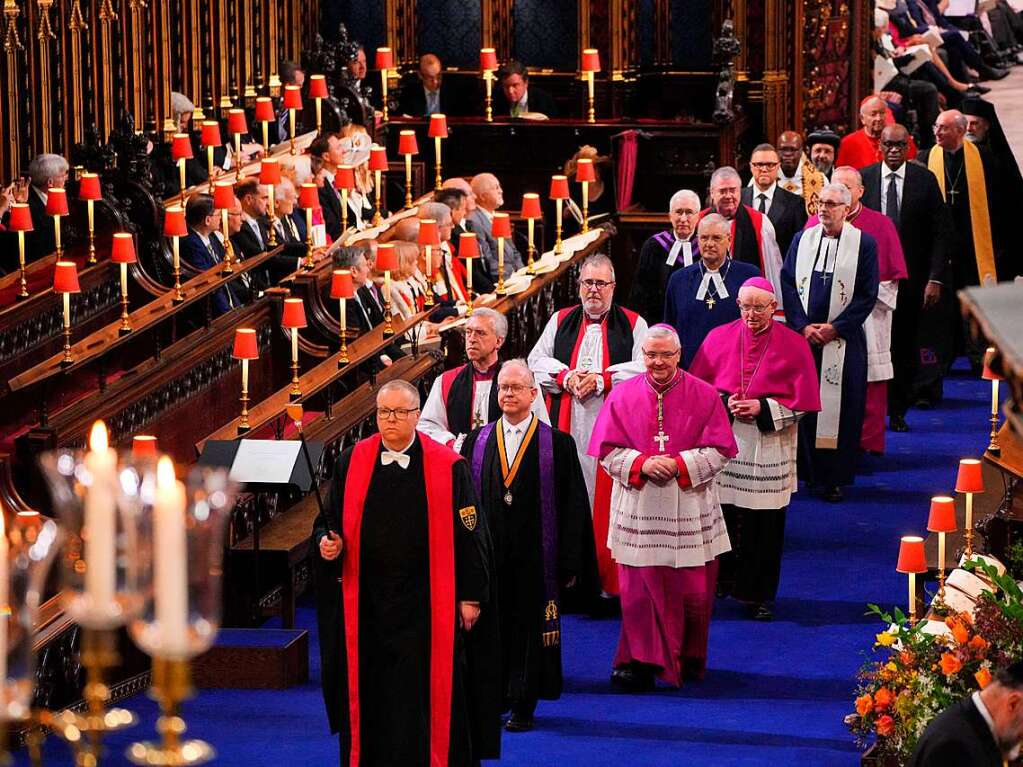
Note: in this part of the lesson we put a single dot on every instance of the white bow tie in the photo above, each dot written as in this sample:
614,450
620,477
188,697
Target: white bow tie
387,457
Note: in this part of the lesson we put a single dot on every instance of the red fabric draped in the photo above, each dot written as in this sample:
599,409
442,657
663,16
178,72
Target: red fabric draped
628,158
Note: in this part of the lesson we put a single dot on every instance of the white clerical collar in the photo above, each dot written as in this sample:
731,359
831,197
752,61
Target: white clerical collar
795,176
683,239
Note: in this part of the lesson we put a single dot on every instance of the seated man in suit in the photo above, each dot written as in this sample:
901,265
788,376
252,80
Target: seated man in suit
983,730
45,171
785,210
427,95
457,200
329,150
470,223
204,250
253,238
489,198
516,97
365,311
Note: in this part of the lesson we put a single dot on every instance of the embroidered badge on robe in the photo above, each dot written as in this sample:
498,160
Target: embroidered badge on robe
468,515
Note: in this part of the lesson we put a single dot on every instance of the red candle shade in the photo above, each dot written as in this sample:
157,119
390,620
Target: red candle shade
377,158
292,97
88,187
318,87
387,258
407,142
65,277
293,315
468,247
988,374
428,234
56,201
344,177
531,205
341,285
584,170
143,446
223,195
970,479
502,225
211,134
488,59
385,58
181,147
270,172
245,347
559,187
591,60
21,218
236,121
911,555
123,251
174,222
264,110
309,197
438,126
942,518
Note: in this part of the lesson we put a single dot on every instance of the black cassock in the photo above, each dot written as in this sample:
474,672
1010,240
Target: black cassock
530,669
394,627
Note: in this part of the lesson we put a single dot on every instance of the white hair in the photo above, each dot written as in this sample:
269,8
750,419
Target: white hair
44,167
498,322
714,219
400,385
518,362
725,173
683,194
663,331
841,189
435,210
598,261
849,169
280,191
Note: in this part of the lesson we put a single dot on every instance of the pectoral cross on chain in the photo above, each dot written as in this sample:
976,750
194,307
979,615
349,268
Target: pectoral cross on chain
710,302
952,196
660,438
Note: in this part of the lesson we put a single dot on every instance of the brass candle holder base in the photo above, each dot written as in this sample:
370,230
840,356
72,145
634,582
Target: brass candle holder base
969,542
993,447
438,182
343,360
530,263
92,247
296,390
68,360
243,425
171,685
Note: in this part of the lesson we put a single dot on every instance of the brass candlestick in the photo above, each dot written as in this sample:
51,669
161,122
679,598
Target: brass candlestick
23,293
296,388
344,210
586,206
408,181
272,235
68,359
488,80
377,194
591,113
172,684
243,425
388,327
56,233
343,360
499,289
125,322
176,245
557,227
309,262
531,249
438,182
92,230
993,447
228,266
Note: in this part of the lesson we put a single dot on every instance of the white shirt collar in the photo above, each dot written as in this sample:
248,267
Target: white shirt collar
768,193
900,172
41,193
489,216
520,427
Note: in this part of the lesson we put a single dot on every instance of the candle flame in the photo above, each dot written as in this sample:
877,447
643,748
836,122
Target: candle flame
98,438
165,473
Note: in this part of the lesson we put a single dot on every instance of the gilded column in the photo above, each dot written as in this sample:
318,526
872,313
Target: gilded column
503,32
12,45
196,56
584,25
138,83
247,41
776,78
164,115
662,32
106,96
236,52
406,35
272,27
623,38
487,24
44,35
76,25
222,55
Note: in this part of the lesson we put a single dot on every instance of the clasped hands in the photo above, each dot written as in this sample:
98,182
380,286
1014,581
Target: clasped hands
660,469
581,385
820,333
330,548
745,410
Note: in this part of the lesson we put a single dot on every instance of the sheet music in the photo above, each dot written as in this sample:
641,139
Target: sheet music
267,461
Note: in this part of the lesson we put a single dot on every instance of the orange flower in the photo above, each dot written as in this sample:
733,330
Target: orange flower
906,658
883,698
950,664
960,632
864,704
885,726
983,678
978,643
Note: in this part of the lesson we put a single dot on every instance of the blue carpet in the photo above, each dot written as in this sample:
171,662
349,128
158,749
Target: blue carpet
775,693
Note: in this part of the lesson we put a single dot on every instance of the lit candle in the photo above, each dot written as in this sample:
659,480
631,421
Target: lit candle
170,568
429,261
124,279
294,344
100,528
245,376
994,397
500,257
67,310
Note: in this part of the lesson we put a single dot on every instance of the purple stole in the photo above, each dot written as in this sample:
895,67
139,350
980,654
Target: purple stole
665,239
548,520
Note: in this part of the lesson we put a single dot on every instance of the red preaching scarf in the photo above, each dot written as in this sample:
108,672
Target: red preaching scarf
437,463
756,218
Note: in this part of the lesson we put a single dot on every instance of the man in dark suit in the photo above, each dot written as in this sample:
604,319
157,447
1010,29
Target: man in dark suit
457,200
785,210
45,171
516,96
327,148
426,95
908,194
254,236
203,249
365,311
982,730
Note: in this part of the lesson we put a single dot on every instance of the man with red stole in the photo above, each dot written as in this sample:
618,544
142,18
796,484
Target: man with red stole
582,353
663,437
766,375
403,561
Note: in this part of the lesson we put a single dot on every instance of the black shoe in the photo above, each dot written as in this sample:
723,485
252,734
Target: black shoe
762,613
632,681
519,723
992,73
898,423
976,90
833,494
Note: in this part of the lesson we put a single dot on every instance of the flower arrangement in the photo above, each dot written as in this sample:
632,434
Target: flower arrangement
917,673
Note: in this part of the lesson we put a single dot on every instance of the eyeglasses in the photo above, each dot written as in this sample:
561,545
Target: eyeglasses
765,165
399,413
598,284
830,204
894,144
513,388
666,356
754,308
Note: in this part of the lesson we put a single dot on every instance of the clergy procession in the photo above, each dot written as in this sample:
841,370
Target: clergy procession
523,383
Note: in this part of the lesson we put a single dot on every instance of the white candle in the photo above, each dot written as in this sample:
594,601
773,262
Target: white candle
994,397
436,150
209,169
342,318
100,528
500,257
969,511
294,344
912,594
92,216
319,115
941,551
56,230
387,286
170,567
344,205
181,173
245,376
589,82
67,310
124,280
291,124
529,226
177,253
468,276
429,258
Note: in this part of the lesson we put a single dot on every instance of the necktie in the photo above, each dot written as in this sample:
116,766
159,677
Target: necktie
892,199
387,457
762,202
255,230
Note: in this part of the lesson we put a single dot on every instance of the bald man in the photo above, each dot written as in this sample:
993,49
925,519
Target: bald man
796,173
427,97
489,198
863,147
